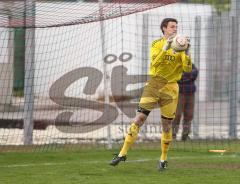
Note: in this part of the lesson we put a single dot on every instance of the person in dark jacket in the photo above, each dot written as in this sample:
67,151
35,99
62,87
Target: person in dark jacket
186,100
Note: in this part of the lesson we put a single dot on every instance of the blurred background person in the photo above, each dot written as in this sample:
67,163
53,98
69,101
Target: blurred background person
186,100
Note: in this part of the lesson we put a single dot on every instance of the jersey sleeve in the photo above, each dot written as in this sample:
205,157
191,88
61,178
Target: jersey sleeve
186,62
157,54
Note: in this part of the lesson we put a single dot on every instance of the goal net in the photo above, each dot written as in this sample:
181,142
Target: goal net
72,72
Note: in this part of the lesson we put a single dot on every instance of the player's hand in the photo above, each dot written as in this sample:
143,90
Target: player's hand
169,42
189,47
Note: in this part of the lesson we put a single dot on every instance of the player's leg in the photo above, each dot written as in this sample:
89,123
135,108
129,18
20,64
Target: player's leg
166,140
168,104
130,138
188,115
178,116
133,131
147,102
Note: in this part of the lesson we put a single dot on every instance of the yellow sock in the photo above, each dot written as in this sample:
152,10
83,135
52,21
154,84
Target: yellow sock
129,139
165,143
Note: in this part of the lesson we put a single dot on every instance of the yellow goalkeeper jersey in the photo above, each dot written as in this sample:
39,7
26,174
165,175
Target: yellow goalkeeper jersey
168,65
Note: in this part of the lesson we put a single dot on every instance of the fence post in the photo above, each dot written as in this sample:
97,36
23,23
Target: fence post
233,78
105,72
29,71
197,48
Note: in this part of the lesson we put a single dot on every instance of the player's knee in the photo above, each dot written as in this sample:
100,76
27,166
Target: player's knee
140,119
143,111
166,125
166,131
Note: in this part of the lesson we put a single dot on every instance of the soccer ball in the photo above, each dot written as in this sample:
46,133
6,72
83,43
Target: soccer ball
179,43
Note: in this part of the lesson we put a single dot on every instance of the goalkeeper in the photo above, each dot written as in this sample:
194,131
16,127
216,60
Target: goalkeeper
166,69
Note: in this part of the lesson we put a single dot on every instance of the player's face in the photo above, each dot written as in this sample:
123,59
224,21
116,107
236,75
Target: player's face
170,30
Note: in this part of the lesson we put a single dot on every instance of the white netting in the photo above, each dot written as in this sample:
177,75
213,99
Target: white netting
81,83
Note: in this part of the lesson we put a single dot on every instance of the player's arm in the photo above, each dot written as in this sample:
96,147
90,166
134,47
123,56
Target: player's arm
158,52
186,59
186,62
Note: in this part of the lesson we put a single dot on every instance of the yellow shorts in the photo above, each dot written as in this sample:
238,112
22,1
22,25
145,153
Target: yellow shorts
163,94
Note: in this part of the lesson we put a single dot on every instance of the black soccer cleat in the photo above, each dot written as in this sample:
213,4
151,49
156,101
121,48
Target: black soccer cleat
115,161
162,166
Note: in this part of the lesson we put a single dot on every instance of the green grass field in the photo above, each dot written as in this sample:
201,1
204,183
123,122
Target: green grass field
91,166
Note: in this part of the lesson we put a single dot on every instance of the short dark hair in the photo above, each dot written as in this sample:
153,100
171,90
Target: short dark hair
166,21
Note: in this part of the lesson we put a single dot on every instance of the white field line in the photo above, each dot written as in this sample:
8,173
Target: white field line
104,162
